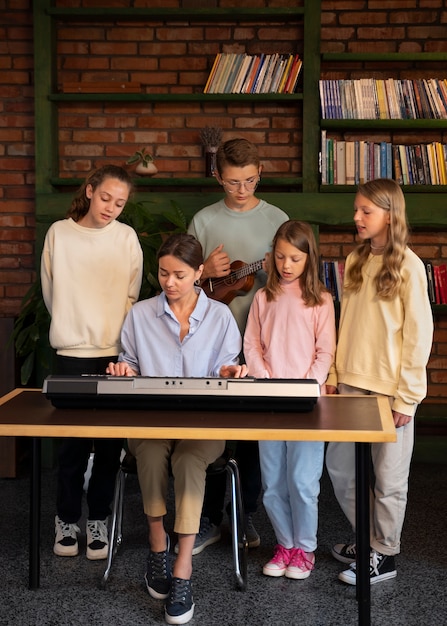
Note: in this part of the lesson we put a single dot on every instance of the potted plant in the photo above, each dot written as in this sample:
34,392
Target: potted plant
211,138
145,163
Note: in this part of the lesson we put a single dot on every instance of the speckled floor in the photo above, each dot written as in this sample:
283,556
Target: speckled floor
70,593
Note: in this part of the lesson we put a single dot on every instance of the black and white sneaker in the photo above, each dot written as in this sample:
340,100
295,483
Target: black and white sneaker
97,539
344,552
66,540
158,575
179,608
381,567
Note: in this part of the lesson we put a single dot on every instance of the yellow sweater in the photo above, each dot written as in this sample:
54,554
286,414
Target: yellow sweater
384,345
90,279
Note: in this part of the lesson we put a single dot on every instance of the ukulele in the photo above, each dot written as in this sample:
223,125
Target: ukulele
237,283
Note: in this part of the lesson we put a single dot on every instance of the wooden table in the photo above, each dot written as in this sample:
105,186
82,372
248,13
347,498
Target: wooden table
359,419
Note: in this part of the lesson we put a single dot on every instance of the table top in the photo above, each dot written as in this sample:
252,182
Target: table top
28,413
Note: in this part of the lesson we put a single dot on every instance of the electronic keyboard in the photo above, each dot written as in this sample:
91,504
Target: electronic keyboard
163,393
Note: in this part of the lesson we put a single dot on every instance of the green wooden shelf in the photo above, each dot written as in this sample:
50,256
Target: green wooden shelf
384,56
142,181
441,189
419,124
200,14
175,97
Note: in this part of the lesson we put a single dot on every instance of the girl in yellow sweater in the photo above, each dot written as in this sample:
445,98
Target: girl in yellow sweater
384,343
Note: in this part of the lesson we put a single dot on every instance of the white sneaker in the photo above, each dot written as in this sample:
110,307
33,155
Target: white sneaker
97,539
66,541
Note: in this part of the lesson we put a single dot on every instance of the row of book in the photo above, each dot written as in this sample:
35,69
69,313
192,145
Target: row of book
331,274
254,73
437,282
354,162
374,99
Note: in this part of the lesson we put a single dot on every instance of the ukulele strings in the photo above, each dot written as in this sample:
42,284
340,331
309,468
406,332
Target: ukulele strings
246,270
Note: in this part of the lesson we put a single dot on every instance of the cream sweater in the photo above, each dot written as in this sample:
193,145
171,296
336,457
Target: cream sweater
384,345
90,279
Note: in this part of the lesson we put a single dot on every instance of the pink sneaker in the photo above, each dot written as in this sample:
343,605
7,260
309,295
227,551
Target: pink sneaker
301,564
277,566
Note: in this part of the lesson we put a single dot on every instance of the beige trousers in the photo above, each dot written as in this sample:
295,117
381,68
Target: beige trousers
188,460
391,468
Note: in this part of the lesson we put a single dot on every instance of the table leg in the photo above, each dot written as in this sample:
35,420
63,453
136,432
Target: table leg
362,485
34,522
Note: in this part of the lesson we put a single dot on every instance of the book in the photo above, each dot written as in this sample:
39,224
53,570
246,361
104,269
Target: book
234,70
295,76
292,73
265,87
442,269
285,74
253,73
226,69
277,74
441,163
323,159
404,165
261,74
241,74
341,163
430,281
350,163
437,284
212,73
247,79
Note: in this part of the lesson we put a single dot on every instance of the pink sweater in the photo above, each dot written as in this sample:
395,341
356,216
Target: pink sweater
286,339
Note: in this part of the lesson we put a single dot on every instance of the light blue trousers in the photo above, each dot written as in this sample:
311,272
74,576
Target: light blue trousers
291,472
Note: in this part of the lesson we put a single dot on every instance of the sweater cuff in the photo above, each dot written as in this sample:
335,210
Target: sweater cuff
402,407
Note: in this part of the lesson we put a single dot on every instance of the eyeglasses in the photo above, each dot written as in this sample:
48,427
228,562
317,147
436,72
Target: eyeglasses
233,185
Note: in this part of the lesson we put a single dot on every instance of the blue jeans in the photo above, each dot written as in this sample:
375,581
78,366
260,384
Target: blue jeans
291,472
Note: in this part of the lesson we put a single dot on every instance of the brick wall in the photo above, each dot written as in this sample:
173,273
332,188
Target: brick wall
16,154
155,56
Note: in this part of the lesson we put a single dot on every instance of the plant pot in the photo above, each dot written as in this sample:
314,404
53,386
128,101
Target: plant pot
210,163
146,169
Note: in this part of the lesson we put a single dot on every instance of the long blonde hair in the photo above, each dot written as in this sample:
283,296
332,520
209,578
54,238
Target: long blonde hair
387,195
300,235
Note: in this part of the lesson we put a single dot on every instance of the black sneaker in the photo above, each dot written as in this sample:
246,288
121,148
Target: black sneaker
180,606
344,552
158,575
381,567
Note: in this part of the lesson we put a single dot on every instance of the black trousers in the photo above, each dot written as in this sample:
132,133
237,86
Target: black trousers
246,454
74,454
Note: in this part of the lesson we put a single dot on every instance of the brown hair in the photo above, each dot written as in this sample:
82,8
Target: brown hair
300,235
184,247
238,153
81,204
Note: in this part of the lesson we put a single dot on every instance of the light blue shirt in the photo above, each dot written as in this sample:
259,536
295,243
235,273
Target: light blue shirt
151,345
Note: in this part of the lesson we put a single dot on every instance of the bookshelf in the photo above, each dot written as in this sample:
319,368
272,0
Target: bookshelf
49,183
301,196
376,64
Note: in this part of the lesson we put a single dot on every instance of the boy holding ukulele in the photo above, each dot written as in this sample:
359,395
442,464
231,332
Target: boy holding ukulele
236,232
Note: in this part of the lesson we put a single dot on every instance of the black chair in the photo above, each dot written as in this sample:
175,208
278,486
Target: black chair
239,541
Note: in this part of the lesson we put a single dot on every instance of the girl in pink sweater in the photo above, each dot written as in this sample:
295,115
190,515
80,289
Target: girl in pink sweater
290,333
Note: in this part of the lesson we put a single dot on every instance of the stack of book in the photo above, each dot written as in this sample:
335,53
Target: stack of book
353,162
376,99
437,282
259,73
331,274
